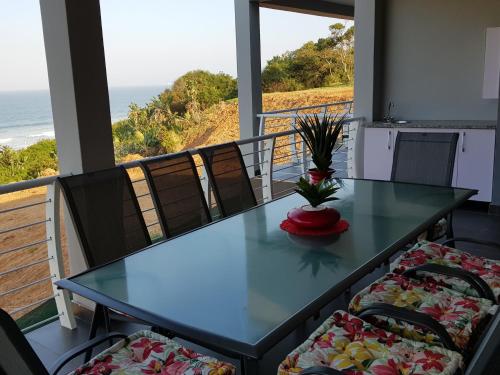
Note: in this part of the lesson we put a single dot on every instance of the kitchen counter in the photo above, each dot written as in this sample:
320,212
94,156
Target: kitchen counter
437,124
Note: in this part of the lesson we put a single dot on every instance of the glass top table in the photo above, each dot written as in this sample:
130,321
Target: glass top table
240,285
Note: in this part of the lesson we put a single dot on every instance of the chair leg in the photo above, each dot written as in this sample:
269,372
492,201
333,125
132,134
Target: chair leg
107,323
347,296
449,230
97,319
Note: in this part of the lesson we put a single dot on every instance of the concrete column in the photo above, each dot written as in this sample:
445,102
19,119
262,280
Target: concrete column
79,93
78,84
368,68
249,67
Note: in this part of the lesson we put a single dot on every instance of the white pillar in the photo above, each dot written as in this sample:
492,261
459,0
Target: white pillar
367,68
364,61
495,201
249,68
79,93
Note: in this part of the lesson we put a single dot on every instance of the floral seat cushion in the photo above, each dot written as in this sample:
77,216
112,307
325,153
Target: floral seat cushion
459,314
146,353
349,344
429,252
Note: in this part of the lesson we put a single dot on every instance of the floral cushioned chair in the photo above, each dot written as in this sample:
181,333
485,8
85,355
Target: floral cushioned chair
353,346
424,253
142,353
419,310
146,352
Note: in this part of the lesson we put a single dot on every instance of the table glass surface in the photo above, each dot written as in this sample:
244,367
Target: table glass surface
242,277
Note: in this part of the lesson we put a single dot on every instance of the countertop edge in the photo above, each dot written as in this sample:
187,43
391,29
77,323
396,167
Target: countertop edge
436,124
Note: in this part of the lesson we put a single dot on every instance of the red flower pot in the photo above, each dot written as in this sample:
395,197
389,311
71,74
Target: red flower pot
317,176
314,217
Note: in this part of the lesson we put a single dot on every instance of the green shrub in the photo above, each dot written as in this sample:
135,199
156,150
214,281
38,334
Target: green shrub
149,130
27,163
201,89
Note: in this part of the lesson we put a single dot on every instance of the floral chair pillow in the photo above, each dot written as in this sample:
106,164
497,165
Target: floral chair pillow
147,353
355,347
429,252
459,314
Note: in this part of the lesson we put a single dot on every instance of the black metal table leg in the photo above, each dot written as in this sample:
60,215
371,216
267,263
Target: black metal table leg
249,366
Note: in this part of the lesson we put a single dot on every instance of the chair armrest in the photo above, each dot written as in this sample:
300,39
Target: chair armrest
492,244
320,370
413,317
478,284
82,348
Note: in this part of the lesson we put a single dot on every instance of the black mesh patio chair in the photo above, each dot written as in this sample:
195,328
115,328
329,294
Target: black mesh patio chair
229,178
106,214
17,357
177,193
426,158
107,219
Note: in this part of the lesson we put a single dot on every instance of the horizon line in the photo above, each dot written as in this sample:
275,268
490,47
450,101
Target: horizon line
109,87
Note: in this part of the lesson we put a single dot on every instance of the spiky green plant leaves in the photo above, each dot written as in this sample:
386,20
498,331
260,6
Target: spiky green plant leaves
317,194
320,135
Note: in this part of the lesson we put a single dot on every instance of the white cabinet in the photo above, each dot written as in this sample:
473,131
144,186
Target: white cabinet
473,161
475,156
378,153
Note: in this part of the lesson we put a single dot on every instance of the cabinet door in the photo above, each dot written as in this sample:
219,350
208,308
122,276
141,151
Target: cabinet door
378,153
476,148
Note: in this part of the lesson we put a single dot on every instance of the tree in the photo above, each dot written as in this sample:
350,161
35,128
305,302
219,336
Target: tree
329,61
345,48
201,89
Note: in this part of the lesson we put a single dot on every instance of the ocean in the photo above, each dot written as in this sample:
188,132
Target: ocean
26,116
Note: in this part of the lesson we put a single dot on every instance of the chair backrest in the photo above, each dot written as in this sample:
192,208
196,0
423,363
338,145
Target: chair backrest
16,354
106,214
485,359
229,178
177,193
425,158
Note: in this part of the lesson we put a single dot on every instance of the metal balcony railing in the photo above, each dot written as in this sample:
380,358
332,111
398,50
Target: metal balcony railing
33,250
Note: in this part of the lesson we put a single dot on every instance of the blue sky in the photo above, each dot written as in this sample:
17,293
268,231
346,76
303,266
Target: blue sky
150,42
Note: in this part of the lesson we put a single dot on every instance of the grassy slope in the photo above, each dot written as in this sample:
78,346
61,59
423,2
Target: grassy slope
220,123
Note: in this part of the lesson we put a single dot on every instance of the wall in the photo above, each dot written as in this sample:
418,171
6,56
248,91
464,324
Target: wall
434,58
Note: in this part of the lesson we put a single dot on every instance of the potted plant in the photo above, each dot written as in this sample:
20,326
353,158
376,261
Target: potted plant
315,215
320,136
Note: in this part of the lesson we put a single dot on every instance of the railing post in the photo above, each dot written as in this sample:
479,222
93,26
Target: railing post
205,185
267,169
293,149
262,124
303,152
352,143
262,130
54,249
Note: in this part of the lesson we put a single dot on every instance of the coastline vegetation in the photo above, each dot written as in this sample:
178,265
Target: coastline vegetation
167,123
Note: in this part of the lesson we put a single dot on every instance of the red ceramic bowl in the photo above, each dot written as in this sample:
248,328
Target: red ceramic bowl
307,218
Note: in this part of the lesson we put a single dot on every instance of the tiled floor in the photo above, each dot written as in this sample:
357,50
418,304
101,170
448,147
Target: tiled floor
51,340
